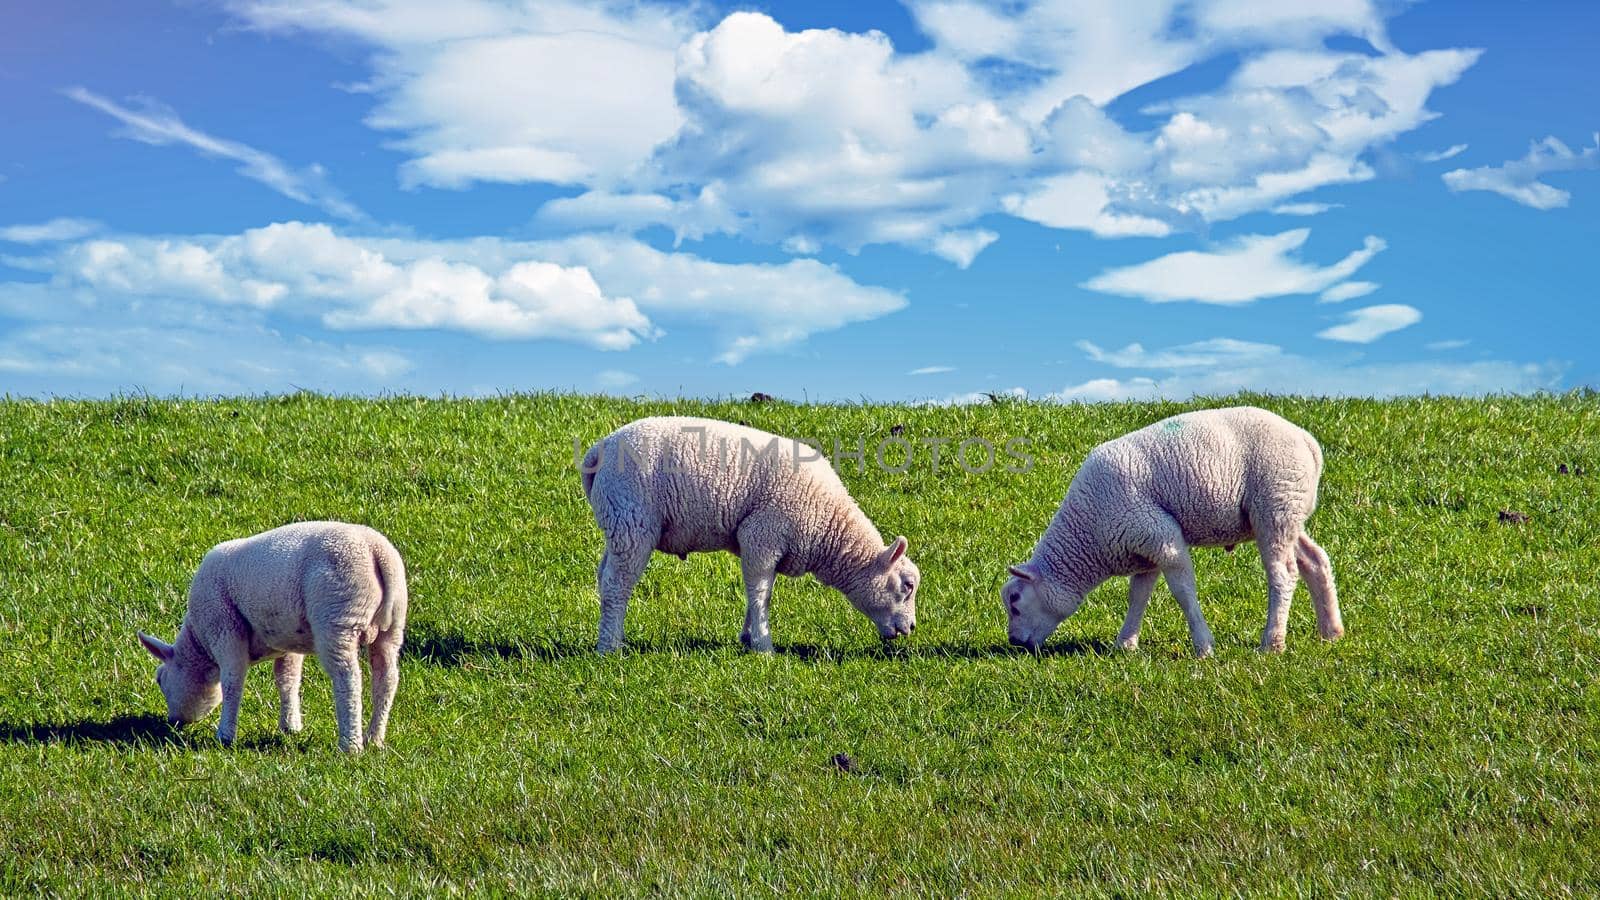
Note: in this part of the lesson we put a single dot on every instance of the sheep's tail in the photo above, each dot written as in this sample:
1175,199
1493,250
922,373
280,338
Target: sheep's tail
391,572
591,465
1316,452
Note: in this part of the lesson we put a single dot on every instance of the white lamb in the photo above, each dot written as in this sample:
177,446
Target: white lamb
323,587
1203,479
686,485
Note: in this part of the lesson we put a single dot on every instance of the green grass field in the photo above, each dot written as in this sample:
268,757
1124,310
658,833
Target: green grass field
1450,742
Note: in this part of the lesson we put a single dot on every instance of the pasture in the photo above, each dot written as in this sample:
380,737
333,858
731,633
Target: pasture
1450,742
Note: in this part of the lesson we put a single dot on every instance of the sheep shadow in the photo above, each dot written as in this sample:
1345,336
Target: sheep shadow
454,650
143,729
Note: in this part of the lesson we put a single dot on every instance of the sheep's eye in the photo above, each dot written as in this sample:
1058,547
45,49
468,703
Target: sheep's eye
911,585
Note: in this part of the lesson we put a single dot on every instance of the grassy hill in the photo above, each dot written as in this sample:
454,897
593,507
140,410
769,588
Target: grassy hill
1450,742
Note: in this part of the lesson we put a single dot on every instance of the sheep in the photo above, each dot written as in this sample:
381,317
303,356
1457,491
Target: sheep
1218,477
686,485
323,587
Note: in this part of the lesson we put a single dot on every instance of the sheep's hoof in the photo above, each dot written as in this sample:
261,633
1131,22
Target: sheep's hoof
1272,646
756,646
1333,634
1204,651
1128,645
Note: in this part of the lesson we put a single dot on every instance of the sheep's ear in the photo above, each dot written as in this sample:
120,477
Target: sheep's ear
893,552
158,648
1024,572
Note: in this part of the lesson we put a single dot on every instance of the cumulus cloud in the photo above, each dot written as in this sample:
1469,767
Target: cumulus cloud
1365,325
154,124
1252,267
1348,290
598,291
1518,179
1180,373
822,137
481,91
53,231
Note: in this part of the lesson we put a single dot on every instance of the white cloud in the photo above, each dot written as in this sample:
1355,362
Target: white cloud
53,231
616,379
932,370
349,284
562,91
754,307
1365,325
207,357
973,398
1200,354
1304,209
1082,201
1252,267
962,247
820,137
159,126
1267,368
599,291
1454,344
1441,155
1518,179
1348,290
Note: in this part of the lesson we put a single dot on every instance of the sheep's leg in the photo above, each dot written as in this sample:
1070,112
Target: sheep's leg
232,673
620,570
384,658
340,660
759,574
1317,571
286,671
1140,587
1278,558
1178,569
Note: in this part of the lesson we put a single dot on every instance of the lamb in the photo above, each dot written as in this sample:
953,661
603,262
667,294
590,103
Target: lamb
686,485
323,587
1202,479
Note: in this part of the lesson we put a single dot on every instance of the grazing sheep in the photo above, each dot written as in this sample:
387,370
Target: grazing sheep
685,485
323,587
1203,479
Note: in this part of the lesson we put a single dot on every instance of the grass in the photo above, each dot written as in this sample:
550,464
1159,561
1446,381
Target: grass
1448,744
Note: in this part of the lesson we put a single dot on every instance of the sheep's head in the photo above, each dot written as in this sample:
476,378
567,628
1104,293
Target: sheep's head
888,593
1035,606
192,692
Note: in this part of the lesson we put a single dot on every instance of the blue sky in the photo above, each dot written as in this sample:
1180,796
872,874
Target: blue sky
924,200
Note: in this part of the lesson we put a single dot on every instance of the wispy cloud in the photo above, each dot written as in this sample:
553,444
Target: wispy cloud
1265,367
932,370
1348,290
1304,209
1518,179
616,379
1453,344
1441,155
1365,325
53,231
1252,267
159,126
